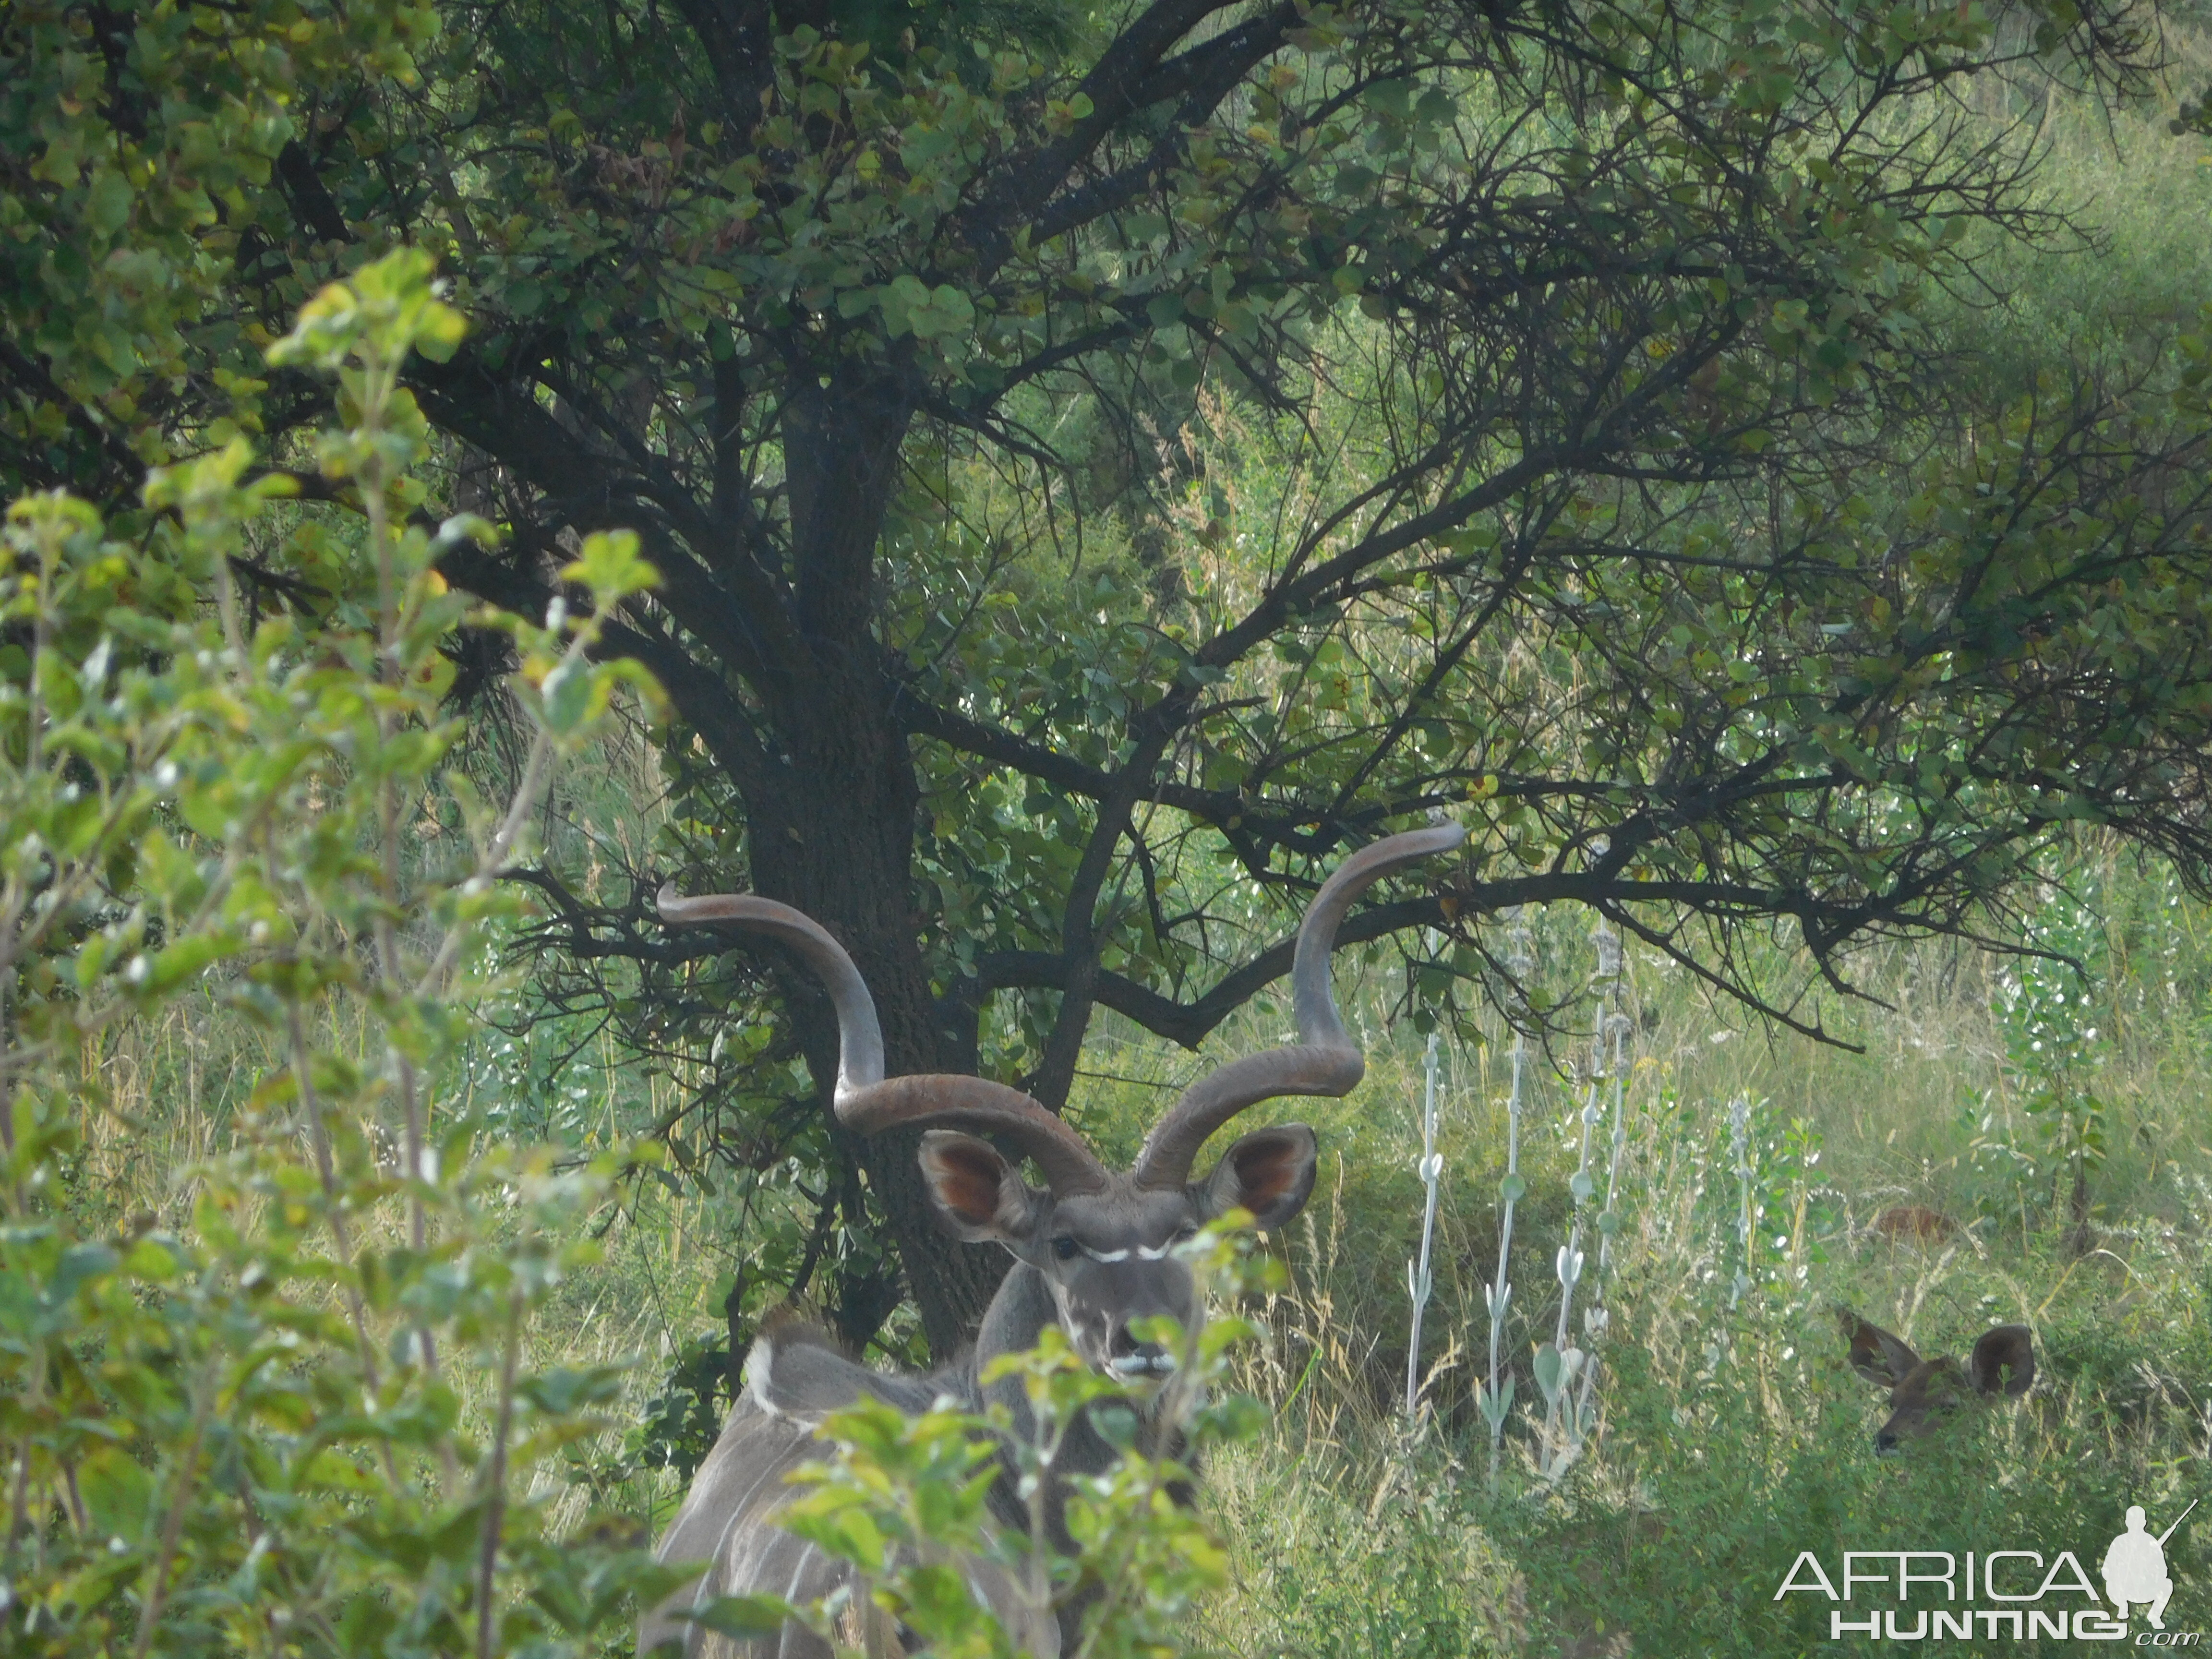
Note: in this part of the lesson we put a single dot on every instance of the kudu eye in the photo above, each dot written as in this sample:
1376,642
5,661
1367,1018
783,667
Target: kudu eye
1065,1247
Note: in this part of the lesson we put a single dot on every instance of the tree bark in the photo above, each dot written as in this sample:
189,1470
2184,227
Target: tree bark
832,832
838,843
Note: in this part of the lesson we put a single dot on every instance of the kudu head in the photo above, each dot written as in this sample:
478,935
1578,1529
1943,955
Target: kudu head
1923,1392
1103,1241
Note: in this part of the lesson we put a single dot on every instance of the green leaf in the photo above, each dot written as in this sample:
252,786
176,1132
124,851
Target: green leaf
118,1494
611,566
739,1617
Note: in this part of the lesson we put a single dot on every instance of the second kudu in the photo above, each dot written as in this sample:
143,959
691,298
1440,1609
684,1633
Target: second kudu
1094,1253
1924,1392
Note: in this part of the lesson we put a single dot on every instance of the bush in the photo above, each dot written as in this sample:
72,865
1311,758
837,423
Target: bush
306,1423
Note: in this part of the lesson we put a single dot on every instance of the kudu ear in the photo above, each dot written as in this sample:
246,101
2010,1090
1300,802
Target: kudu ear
978,1195
1269,1172
1876,1355
2003,1360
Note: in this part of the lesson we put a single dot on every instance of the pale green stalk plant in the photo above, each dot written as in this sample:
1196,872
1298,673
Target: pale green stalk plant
1420,1281
1559,1364
1494,1396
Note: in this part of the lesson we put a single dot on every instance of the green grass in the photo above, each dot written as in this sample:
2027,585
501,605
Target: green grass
1732,1436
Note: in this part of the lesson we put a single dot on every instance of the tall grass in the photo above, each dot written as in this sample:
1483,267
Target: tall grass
1731,1435
1728,1434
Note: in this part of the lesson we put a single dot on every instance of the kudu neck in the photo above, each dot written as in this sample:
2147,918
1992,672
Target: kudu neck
1018,1317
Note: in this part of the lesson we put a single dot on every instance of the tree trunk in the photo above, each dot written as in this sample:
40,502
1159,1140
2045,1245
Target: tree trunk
837,843
833,834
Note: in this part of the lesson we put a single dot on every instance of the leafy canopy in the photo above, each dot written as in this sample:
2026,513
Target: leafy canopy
1103,466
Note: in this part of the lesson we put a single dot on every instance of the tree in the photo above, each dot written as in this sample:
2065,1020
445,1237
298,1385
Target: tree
1102,465
141,143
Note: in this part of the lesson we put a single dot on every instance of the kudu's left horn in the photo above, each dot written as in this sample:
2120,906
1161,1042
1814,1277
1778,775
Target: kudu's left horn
1324,1060
867,1101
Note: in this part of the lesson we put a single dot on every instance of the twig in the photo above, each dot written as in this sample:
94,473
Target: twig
496,1481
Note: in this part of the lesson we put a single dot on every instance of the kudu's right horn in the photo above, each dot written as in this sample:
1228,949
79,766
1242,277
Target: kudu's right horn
1324,1060
867,1101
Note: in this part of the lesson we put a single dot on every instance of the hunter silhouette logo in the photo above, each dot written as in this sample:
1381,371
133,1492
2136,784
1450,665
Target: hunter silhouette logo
2135,1567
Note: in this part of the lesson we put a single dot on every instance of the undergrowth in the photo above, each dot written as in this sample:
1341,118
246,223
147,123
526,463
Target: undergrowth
2072,1196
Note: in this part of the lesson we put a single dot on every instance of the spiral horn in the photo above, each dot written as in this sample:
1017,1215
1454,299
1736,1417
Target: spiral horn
867,1101
1324,1060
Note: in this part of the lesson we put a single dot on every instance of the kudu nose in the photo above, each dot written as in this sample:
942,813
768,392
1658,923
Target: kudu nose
1130,1355
1886,1441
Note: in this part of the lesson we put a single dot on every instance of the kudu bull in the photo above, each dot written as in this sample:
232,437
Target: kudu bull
1093,1252
1923,1392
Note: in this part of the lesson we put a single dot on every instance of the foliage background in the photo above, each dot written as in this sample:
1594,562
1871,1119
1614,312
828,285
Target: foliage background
204,1368
1102,465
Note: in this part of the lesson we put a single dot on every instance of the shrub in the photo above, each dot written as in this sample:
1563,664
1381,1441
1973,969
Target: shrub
305,1423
